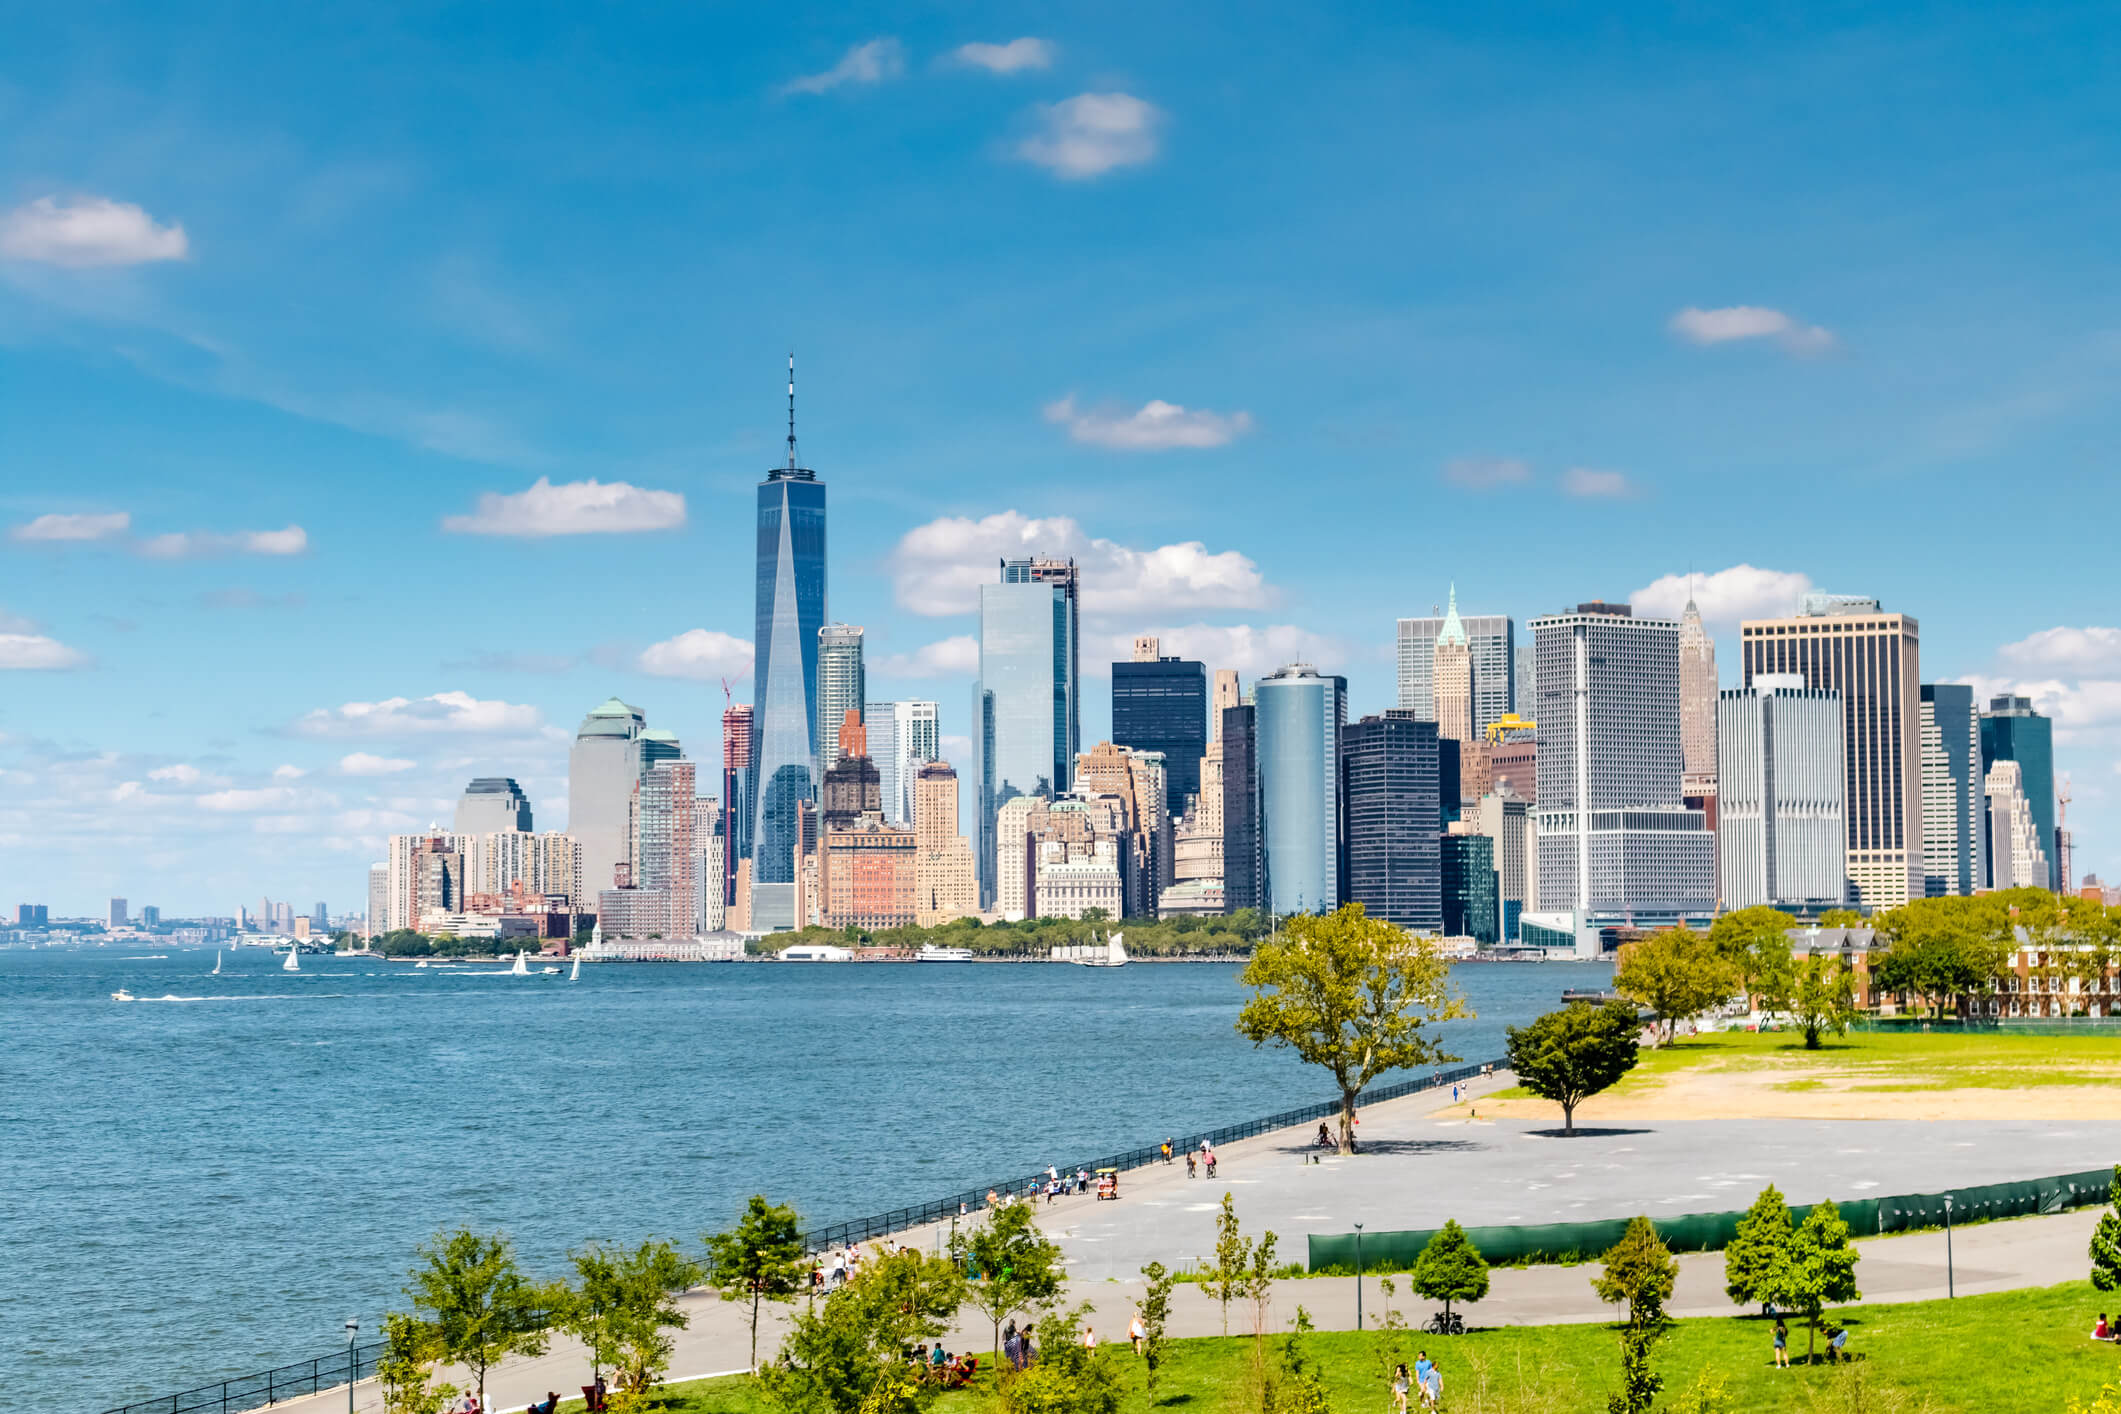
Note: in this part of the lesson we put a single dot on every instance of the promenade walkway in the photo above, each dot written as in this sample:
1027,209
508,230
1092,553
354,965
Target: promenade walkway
1423,1166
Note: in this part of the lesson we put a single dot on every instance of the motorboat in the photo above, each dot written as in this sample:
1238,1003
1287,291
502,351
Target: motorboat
816,952
121,995
932,953
550,971
421,963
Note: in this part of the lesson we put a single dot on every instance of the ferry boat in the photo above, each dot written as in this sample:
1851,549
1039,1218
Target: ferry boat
816,952
932,953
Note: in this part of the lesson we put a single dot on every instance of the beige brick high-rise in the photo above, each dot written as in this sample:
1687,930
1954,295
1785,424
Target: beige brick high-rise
1452,684
1697,695
945,880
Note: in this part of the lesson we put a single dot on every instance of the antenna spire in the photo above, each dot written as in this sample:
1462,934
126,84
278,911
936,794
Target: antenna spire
791,409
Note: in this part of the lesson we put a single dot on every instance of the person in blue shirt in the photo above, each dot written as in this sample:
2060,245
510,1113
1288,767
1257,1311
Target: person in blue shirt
1422,1370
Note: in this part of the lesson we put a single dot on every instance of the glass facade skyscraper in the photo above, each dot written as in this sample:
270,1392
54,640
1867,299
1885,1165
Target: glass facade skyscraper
1954,817
2012,731
602,770
1492,641
1299,716
841,687
1025,728
1242,885
1391,818
1163,706
1470,906
791,610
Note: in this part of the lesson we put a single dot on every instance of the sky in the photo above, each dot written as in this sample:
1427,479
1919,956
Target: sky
382,387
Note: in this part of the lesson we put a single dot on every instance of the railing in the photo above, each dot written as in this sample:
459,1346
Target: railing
246,1392
232,1396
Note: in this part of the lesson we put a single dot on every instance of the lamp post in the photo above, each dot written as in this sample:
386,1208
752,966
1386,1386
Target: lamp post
353,1364
1358,1276
1948,1247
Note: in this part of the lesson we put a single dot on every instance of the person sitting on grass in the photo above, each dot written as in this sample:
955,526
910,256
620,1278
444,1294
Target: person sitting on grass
2102,1331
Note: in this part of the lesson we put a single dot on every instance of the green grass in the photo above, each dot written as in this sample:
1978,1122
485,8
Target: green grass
2020,1350
1938,1060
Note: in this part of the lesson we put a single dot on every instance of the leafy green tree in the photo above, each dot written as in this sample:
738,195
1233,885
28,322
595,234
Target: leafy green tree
1298,1387
1156,1315
1941,948
1639,1384
2106,1240
1450,1268
1841,918
1389,1346
1233,1251
761,1259
479,1307
1351,994
1754,940
623,1303
1822,998
1569,1055
406,1365
1069,1377
1018,1267
1259,1290
1820,1270
1676,974
1754,1257
1709,1394
848,1353
1638,1270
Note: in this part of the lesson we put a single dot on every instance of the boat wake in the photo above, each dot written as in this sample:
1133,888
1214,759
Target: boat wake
248,997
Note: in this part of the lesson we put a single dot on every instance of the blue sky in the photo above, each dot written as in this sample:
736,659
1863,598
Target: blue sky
1281,318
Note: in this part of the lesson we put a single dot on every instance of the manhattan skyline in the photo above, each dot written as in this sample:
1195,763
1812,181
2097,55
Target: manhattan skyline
368,424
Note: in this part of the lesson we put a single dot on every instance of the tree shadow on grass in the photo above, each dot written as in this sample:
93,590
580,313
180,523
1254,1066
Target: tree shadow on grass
1584,1131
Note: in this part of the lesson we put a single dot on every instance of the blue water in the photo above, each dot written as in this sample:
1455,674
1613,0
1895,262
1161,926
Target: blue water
210,1180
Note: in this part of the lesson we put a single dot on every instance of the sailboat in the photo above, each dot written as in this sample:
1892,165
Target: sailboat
576,975
217,964
520,969
294,959
1114,954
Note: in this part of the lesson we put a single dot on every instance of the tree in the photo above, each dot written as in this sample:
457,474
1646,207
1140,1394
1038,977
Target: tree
762,1258
2106,1240
1450,1268
848,1353
409,1351
1156,1313
480,1307
1639,1384
1567,1056
1841,918
1820,1270
1754,1257
1226,1277
1017,1266
1676,974
1822,998
1638,1270
623,1304
1299,1388
1941,948
1351,994
1069,1378
1754,940
1259,1290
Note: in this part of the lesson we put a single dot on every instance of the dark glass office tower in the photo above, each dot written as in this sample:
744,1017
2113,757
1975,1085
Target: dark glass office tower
1026,726
1469,902
1390,802
791,609
1244,864
1163,706
2012,731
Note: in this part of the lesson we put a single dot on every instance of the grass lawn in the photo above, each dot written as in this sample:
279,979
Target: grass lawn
1890,1060
2020,1350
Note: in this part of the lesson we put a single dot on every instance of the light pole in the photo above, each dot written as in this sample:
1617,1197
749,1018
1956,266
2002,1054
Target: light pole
1948,1247
1358,1276
353,1365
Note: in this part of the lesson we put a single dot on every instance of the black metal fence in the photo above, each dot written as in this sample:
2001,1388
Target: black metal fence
246,1392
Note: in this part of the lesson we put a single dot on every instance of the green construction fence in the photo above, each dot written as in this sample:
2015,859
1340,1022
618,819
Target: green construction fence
1709,1232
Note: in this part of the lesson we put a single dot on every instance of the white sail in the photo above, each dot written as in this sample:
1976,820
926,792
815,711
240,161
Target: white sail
576,975
293,963
217,964
520,969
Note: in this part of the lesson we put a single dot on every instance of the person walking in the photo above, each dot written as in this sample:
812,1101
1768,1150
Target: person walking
1421,1376
1782,1346
1089,1340
1137,1333
1400,1385
1432,1388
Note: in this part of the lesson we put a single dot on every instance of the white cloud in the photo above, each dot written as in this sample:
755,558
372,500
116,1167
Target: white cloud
375,822
574,508
178,545
956,656
1585,483
1725,597
285,772
228,802
1486,473
34,651
1092,133
1250,649
1746,321
956,748
704,654
179,774
938,568
1158,426
73,527
87,231
1014,57
870,62
360,763
2090,705
2067,650
441,713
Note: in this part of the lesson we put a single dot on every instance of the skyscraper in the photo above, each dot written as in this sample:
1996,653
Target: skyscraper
1781,839
1471,906
492,803
1850,645
1300,715
117,913
1025,727
378,899
1491,642
902,736
2015,857
1614,841
1954,817
1391,818
1161,704
851,787
1697,695
791,610
1244,881
2012,731
841,686
602,770
736,800
666,846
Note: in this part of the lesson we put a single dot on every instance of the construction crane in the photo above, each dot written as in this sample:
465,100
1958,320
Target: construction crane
1499,730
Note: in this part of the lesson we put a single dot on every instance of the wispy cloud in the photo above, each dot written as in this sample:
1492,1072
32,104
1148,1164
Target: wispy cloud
88,231
191,544
1251,649
703,654
1747,321
1093,133
1587,484
2066,650
37,652
441,713
73,528
1014,57
361,763
1486,473
572,508
1726,596
937,568
872,61
953,657
1155,427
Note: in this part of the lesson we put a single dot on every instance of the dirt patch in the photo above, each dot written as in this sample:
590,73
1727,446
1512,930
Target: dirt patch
1821,1092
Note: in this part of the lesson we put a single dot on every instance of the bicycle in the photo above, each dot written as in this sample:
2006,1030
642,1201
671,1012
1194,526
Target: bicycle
1445,1323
